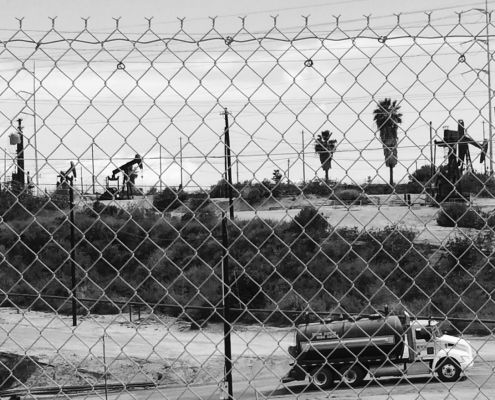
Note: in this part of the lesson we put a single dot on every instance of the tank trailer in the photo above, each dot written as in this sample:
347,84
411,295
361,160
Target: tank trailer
351,349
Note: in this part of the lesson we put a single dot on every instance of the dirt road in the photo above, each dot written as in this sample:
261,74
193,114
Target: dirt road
479,384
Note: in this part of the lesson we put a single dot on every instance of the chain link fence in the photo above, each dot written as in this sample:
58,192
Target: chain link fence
300,212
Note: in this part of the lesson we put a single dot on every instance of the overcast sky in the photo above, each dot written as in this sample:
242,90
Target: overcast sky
172,91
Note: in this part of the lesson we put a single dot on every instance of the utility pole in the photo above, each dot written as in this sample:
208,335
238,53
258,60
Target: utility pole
20,181
303,158
4,165
484,137
237,168
70,181
288,171
160,155
226,309
82,184
93,166
67,179
35,131
488,60
432,166
228,163
180,160
227,326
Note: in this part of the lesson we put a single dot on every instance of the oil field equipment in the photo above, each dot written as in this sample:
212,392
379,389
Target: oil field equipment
125,190
447,182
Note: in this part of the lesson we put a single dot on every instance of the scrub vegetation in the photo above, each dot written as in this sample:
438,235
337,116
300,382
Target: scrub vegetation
170,264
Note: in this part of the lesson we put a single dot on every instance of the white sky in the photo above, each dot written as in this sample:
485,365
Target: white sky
177,90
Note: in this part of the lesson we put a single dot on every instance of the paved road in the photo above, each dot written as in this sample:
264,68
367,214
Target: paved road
479,384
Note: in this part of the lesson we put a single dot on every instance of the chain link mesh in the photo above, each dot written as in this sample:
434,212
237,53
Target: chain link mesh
194,215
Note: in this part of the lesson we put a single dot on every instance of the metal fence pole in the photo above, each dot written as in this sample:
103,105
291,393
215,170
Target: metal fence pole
70,181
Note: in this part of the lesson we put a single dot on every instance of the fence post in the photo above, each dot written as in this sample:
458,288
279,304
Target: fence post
72,251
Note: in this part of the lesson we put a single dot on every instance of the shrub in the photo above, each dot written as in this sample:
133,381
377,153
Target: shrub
255,193
219,190
198,202
459,214
350,196
100,208
310,219
478,184
319,188
22,206
169,199
378,188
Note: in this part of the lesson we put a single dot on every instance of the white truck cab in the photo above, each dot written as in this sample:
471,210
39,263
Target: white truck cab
448,356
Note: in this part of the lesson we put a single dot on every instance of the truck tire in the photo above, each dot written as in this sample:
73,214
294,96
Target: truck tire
352,375
321,377
448,370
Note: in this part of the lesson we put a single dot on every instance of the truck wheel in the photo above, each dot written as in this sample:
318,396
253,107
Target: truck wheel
352,375
321,377
448,370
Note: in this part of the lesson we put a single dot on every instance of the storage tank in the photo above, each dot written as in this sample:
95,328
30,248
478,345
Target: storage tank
371,338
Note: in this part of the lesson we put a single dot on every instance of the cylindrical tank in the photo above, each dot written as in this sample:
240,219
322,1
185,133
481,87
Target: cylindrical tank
380,338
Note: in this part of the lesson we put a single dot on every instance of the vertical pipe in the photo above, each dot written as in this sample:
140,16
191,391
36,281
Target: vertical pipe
303,158
70,181
226,307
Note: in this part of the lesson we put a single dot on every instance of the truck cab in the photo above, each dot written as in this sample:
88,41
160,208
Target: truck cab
437,352
353,349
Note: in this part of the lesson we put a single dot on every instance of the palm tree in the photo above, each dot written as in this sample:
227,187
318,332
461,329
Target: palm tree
388,118
325,148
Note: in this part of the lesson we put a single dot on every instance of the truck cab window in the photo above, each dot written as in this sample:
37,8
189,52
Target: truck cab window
422,333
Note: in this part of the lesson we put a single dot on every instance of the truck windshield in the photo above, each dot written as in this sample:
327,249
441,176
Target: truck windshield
434,330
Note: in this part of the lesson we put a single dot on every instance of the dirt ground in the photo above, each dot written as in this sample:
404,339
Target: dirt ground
156,349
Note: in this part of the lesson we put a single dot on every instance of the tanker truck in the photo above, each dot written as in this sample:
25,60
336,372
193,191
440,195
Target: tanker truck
351,349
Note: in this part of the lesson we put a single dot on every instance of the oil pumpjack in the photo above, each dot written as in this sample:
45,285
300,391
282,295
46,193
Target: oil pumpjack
447,182
124,191
67,177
